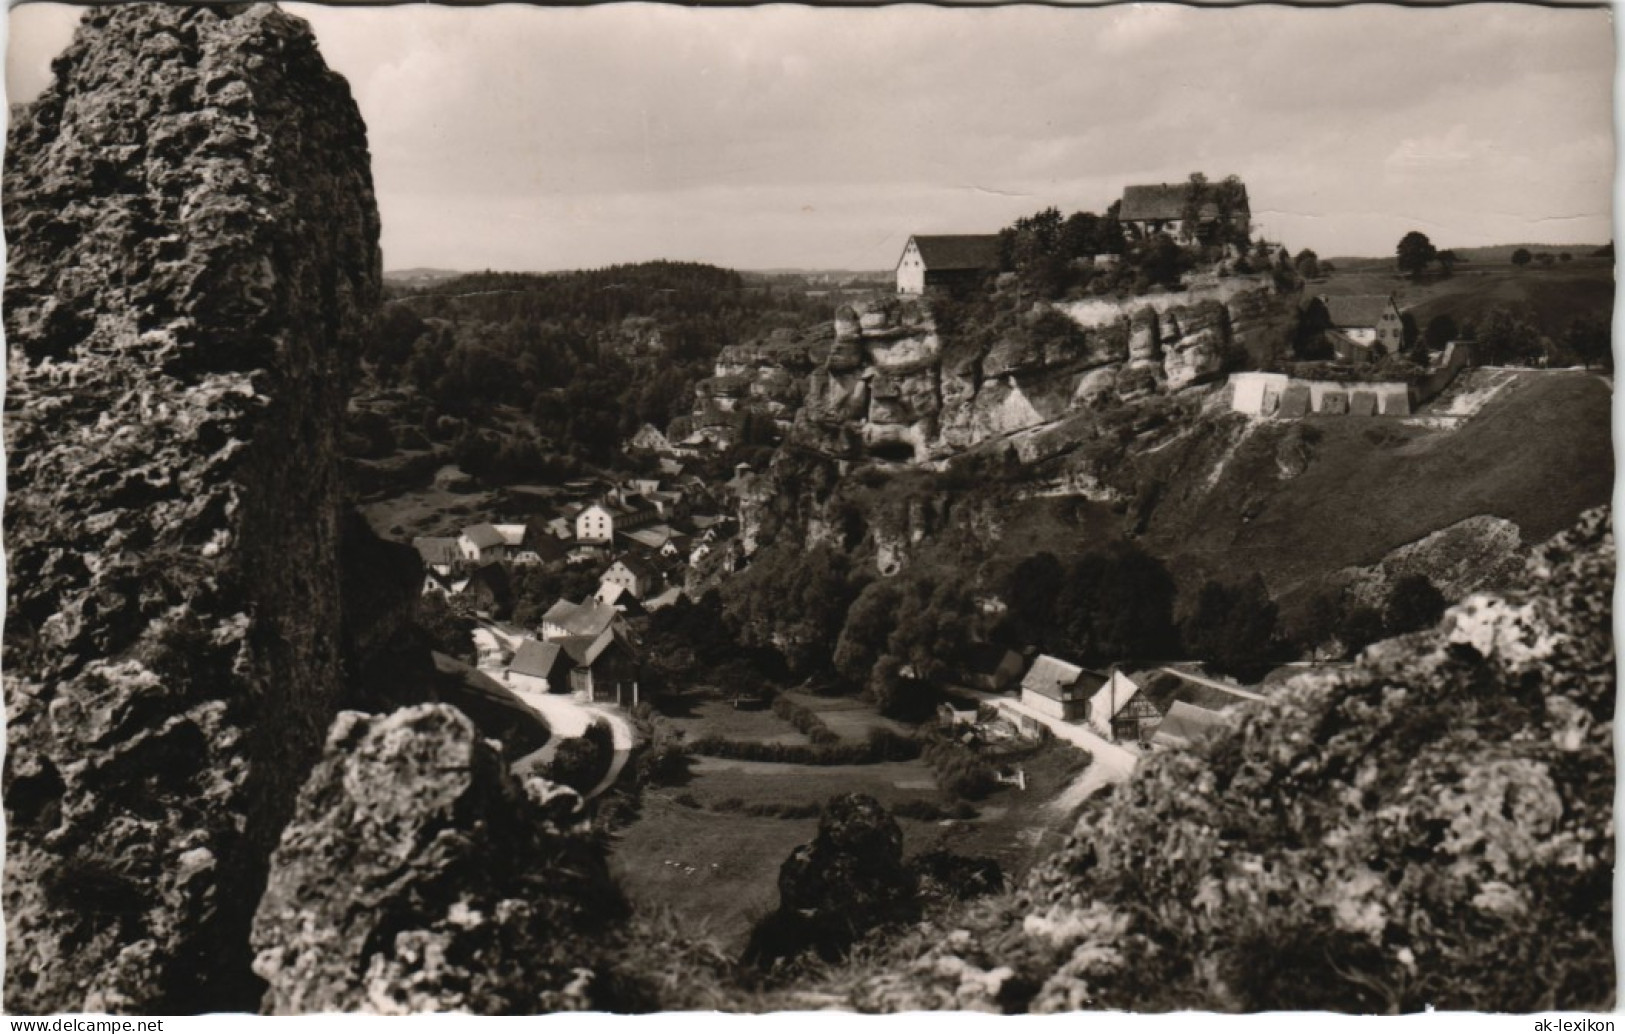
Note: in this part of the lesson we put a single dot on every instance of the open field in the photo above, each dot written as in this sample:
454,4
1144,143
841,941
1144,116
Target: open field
849,718
696,849
720,718
1550,297
427,511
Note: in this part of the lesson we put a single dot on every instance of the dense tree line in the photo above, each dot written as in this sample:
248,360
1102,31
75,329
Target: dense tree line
587,357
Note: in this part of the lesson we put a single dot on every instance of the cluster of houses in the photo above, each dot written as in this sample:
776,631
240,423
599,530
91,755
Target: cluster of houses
585,649
1158,708
1145,210
643,533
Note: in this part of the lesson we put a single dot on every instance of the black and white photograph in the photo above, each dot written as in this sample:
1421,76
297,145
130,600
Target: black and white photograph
641,508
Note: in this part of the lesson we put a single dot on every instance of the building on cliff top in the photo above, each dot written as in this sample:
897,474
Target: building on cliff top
1151,208
945,261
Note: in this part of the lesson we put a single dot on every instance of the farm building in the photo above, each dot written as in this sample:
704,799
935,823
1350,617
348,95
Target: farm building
1363,327
1057,689
945,261
482,543
539,668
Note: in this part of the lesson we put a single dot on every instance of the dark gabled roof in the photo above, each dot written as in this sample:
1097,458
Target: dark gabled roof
959,251
484,536
536,659
493,576
436,549
1050,675
1154,201
640,568
1185,724
1357,310
581,619
1166,690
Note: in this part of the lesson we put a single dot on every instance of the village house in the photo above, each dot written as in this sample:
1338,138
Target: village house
589,618
482,543
1153,208
617,596
595,525
945,261
649,438
634,574
1186,724
1120,712
1362,327
487,590
440,554
539,667
1056,689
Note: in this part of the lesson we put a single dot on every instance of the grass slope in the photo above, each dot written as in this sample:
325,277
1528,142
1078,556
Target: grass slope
1538,454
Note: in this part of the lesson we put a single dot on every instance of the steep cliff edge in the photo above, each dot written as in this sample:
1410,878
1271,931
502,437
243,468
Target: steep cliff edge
193,257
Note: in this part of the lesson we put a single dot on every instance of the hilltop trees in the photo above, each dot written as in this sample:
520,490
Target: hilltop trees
1307,264
1051,254
1415,253
1521,257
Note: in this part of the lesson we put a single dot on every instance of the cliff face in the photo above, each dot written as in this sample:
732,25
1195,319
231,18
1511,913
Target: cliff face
193,256
891,388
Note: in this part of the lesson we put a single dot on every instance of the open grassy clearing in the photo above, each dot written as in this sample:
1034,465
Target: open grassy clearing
428,511
849,718
721,718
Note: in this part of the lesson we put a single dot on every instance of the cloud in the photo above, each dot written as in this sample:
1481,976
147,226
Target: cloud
510,135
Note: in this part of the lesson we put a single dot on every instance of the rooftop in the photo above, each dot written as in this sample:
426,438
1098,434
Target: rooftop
959,251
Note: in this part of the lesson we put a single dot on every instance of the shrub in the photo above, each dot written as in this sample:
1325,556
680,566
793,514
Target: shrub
805,720
897,748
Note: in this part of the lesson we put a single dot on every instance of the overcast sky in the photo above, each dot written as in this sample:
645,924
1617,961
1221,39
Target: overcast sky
514,137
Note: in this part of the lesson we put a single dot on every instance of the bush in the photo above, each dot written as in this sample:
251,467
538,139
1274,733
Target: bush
890,748
581,762
959,770
805,720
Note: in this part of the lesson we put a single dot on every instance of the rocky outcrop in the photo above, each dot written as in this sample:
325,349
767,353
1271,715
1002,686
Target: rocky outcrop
462,889
850,879
1381,838
892,388
192,258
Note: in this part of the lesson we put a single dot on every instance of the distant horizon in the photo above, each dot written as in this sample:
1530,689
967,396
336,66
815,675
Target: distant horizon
1574,246
555,138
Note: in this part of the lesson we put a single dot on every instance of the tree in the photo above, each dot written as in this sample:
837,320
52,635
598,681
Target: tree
1447,261
1414,603
1441,330
1233,626
1307,264
1591,341
1565,256
1415,253
1521,257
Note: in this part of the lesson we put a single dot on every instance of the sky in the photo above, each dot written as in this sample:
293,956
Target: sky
531,138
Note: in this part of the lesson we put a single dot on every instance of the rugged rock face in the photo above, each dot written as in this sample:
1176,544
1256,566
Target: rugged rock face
193,256
1377,839
461,889
890,388
848,880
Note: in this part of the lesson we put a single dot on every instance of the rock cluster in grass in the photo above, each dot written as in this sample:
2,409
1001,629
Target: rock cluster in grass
850,879
417,875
